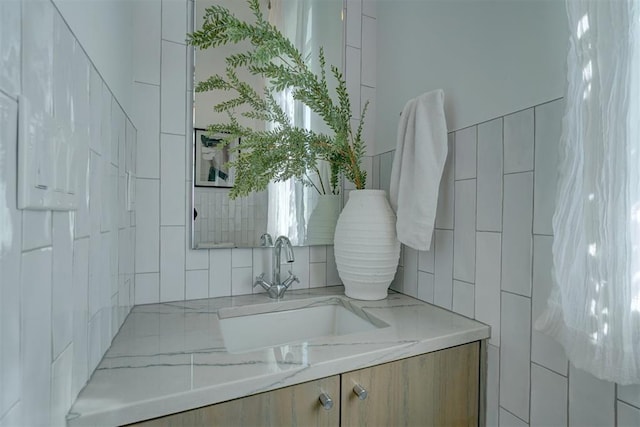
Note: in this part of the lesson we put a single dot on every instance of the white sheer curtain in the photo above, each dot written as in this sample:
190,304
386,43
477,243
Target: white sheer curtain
594,308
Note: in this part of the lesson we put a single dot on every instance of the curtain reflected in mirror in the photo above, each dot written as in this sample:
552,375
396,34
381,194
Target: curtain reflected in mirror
305,210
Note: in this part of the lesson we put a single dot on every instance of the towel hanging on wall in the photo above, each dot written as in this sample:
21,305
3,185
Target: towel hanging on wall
420,155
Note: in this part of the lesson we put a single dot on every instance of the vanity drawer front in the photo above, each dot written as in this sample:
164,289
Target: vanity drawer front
434,389
290,406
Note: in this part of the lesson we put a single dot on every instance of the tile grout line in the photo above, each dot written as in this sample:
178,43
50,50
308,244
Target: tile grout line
189,213
515,294
475,220
512,414
549,369
159,140
11,97
146,83
533,259
501,235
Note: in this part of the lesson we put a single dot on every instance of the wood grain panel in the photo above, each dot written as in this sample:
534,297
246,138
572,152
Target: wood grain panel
435,389
291,406
482,400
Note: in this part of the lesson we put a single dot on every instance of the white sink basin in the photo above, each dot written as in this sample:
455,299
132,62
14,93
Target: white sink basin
246,332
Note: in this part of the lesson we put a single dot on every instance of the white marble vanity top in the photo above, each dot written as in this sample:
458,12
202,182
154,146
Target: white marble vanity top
171,357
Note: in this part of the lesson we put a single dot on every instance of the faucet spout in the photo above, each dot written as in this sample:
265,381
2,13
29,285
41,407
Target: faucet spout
277,287
281,242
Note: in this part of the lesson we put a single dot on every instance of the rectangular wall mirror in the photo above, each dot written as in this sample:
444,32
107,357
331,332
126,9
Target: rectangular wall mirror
302,213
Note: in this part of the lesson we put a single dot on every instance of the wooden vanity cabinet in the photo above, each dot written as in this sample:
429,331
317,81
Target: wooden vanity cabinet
434,389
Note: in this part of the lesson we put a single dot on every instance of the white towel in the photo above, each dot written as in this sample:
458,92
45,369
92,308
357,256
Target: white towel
420,155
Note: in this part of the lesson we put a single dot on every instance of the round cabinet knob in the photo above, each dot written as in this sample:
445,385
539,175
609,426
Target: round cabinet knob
326,401
360,391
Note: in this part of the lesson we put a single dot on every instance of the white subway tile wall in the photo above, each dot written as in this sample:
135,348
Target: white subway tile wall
426,286
369,56
465,143
492,261
463,298
354,23
197,284
147,117
548,397
410,273
172,171
544,350
592,401
630,394
172,264
627,415
368,94
548,127
464,233
352,75
443,276
173,83
446,192
489,165
517,239
507,419
518,141
515,354
67,278
147,18
488,261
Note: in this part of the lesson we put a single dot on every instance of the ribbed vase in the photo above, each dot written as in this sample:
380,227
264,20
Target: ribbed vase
366,246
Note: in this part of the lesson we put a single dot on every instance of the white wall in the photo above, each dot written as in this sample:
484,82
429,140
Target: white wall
105,29
491,57
66,278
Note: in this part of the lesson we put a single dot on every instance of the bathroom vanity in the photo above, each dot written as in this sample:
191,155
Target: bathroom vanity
314,358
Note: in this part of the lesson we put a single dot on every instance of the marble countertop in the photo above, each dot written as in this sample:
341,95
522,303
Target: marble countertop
171,357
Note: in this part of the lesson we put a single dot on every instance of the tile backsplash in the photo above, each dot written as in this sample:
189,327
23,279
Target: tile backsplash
491,260
66,278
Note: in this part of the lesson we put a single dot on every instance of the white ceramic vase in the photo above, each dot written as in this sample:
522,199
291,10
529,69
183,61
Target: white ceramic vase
366,246
322,221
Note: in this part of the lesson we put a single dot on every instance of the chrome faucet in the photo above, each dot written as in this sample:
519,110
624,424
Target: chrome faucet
277,288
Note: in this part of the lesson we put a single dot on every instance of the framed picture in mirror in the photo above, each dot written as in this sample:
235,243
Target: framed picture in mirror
212,160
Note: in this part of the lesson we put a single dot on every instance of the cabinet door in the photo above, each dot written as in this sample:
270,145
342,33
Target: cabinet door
435,389
290,406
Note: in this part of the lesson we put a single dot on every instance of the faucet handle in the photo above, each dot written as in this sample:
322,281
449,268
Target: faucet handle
293,277
259,280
